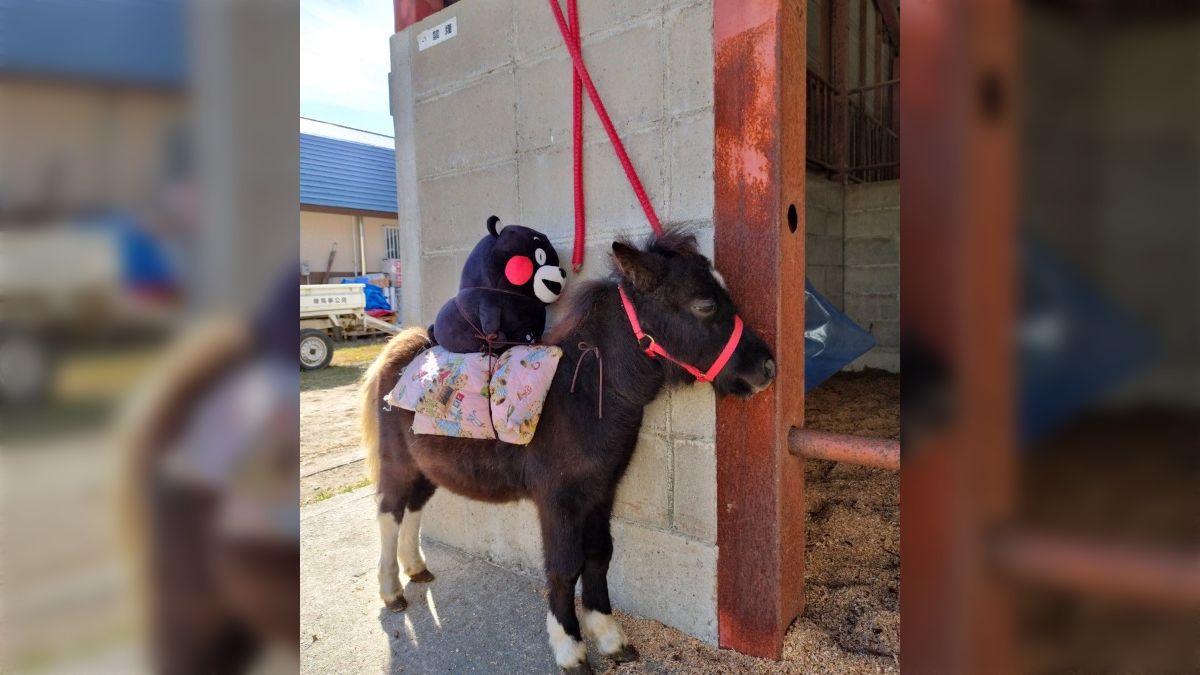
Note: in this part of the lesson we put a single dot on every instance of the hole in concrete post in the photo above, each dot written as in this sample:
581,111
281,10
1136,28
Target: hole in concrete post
793,219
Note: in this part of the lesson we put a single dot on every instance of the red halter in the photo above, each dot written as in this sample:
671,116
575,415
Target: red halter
653,349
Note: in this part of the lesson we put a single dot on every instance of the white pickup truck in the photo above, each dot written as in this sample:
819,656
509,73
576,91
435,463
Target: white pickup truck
331,312
66,288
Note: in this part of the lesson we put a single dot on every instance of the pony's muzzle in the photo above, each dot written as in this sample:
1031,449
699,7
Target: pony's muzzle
756,366
764,377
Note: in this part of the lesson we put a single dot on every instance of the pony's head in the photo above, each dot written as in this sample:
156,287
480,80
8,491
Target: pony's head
681,300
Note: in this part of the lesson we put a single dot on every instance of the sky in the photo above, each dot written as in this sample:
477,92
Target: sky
344,62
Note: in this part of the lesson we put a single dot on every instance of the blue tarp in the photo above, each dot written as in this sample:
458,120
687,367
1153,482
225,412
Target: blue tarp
1074,345
831,340
145,262
375,296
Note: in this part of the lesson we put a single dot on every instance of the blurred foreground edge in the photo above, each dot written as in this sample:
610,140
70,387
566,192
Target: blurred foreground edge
991,585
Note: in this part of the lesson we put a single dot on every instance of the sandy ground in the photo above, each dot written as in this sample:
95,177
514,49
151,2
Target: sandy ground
852,620
331,458
1126,476
853,552
330,455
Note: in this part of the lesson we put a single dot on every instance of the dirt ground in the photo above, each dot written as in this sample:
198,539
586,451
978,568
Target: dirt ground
852,620
330,456
331,459
1128,476
853,538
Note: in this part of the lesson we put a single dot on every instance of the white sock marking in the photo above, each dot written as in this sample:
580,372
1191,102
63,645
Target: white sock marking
604,630
389,570
568,652
411,557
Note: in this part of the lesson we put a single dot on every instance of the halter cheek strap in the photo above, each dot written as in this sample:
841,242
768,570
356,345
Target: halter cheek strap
653,349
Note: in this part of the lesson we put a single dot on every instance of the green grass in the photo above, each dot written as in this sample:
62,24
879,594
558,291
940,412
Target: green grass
350,359
53,419
326,493
360,353
87,388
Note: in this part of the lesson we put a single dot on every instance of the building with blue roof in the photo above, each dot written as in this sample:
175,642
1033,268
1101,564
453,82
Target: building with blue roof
348,224
348,175
130,43
95,104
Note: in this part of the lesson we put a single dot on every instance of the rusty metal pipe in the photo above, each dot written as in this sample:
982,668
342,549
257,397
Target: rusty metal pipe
873,87
882,453
1164,576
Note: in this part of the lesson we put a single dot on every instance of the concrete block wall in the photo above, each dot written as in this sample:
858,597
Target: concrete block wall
853,251
824,213
872,258
483,126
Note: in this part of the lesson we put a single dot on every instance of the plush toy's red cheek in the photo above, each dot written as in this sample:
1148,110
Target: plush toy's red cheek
518,270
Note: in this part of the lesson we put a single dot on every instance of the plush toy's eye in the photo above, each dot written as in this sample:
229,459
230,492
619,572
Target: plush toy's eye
518,270
540,256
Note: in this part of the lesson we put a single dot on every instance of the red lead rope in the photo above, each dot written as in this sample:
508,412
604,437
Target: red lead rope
577,145
570,35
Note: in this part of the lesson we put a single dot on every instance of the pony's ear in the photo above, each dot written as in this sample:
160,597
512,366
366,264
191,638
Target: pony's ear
643,270
492,222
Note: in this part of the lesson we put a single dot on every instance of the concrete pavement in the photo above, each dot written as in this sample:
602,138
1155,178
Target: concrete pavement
474,617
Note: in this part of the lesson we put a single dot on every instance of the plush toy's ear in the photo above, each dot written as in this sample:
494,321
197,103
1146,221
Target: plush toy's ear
491,224
643,270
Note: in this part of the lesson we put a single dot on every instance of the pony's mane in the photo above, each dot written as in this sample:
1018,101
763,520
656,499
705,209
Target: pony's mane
580,302
674,241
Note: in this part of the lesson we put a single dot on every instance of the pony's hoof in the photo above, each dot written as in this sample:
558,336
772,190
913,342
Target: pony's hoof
397,604
625,654
584,668
422,577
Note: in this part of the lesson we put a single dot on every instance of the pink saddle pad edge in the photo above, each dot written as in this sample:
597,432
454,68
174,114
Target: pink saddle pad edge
477,396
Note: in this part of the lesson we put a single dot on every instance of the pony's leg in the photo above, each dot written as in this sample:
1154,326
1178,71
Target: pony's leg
598,623
412,559
401,497
563,548
389,569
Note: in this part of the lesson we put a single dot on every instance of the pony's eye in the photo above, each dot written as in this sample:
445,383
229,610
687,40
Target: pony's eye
540,256
704,307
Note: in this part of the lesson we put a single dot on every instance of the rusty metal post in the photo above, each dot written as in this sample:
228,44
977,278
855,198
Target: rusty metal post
958,219
759,163
891,20
989,312
839,79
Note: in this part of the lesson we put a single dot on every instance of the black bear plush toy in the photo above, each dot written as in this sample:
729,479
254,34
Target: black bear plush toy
509,278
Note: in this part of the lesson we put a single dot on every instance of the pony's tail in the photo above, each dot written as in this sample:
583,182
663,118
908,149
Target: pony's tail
152,418
385,368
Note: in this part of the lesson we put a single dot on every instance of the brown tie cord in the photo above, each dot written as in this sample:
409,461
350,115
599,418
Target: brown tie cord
489,340
585,349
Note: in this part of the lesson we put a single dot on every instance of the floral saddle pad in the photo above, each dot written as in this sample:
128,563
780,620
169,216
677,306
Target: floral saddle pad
452,394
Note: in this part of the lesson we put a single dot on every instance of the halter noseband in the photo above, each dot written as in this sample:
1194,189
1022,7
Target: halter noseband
653,349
